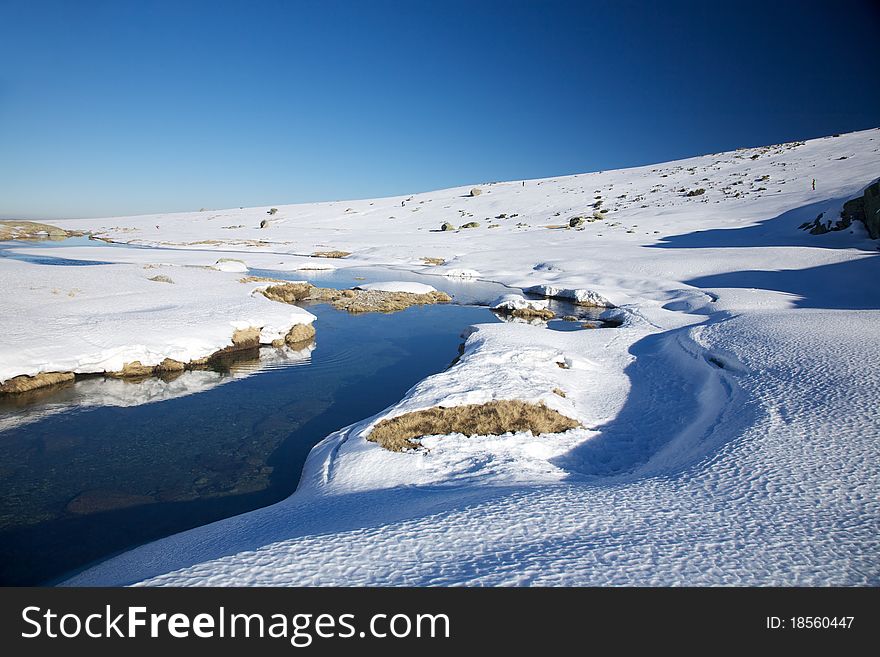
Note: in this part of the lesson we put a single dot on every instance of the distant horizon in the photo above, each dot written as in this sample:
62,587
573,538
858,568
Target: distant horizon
157,107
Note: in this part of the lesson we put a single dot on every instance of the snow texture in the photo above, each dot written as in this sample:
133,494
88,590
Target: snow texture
730,425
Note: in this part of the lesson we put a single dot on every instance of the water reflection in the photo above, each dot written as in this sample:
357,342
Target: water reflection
102,465
93,391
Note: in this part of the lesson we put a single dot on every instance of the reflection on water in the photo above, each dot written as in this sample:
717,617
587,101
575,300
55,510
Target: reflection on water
94,468
462,290
20,409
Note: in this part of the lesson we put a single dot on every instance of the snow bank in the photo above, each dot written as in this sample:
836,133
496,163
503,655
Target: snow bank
230,265
99,318
579,296
718,419
511,302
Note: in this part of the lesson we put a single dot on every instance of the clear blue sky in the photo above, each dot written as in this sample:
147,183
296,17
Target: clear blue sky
124,107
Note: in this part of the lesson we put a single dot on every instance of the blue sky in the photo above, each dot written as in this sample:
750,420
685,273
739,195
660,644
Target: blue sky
132,107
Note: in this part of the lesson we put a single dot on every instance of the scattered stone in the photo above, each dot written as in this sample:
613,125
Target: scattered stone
476,191
696,192
447,226
471,224
574,222
161,278
272,211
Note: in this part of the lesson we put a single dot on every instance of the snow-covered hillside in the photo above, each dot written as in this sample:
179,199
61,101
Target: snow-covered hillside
730,428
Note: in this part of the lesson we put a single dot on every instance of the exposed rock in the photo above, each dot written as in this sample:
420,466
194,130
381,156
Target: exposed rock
246,338
865,208
476,191
471,224
296,336
574,222
161,278
25,383
433,261
696,192
331,254
447,226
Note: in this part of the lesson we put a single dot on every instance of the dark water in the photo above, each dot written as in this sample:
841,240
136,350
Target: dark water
80,481
99,466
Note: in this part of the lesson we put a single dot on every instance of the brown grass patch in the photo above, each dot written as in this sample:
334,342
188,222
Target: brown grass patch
161,278
353,301
433,261
369,301
287,292
259,279
12,229
490,419
331,254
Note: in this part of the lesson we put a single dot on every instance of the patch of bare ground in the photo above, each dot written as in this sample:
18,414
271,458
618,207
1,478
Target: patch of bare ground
353,301
25,383
493,418
433,261
527,313
331,254
12,229
259,279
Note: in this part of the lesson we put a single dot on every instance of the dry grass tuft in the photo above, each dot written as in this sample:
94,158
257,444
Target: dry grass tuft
490,419
558,391
370,301
259,279
353,301
433,261
288,292
331,254
11,229
161,278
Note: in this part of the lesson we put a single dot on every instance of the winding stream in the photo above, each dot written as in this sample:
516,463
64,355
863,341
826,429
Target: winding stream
99,466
